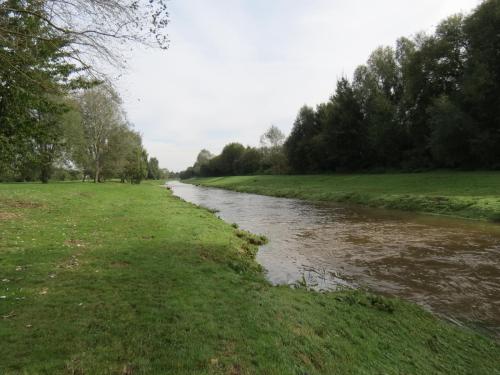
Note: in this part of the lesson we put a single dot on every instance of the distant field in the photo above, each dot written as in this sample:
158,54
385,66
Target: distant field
122,279
474,195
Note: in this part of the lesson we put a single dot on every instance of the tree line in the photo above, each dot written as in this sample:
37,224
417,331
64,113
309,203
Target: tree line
59,114
236,159
432,101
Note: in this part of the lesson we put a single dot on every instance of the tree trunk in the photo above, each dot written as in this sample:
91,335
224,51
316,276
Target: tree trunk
45,173
97,171
44,177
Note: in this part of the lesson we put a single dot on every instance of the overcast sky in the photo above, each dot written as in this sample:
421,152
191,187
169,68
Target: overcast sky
234,67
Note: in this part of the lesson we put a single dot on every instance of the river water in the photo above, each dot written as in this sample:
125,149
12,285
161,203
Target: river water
451,267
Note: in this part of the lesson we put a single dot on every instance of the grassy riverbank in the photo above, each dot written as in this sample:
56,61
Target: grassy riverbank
121,279
474,195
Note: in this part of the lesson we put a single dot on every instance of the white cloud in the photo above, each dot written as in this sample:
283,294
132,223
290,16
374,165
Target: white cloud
235,67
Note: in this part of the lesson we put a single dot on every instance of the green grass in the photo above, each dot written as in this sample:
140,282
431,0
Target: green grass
473,195
121,279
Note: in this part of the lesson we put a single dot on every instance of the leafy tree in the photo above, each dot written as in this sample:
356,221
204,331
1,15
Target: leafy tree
452,129
34,73
481,81
202,160
377,90
101,115
345,130
48,49
227,162
137,166
165,174
300,147
121,147
249,162
154,172
187,174
47,145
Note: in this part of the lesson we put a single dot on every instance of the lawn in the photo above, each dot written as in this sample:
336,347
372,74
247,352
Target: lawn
473,195
122,279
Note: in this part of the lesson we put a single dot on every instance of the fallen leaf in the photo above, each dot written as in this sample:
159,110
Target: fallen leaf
9,315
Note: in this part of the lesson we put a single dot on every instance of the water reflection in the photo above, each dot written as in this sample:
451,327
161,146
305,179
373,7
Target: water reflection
451,267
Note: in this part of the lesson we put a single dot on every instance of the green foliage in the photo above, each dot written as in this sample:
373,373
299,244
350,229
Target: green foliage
227,161
345,131
304,144
202,162
451,134
136,169
235,159
154,172
431,102
44,52
249,162
34,73
481,81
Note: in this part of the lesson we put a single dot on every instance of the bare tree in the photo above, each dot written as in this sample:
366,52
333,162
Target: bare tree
273,138
93,29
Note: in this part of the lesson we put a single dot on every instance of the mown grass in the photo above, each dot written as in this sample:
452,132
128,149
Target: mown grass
473,195
121,279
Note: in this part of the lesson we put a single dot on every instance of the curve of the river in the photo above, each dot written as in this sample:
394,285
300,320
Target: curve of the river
451,267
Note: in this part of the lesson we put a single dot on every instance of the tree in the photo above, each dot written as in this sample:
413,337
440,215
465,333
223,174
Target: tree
165,174
481,81
249,162
451,133
202,161
377,90
296,145
137,166
273,138
227,162
48,144
93,29
34,74
273,157
187,174
154,172
101,115
346,134
48,49
121,147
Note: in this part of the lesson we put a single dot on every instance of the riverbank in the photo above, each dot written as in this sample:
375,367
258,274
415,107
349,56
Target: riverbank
471,195
121,279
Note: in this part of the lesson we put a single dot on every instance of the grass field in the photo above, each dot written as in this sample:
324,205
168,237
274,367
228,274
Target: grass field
474,195
121,279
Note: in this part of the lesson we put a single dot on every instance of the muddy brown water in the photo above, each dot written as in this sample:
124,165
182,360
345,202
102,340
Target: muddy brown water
451,267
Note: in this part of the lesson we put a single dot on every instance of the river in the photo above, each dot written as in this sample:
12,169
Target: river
450,267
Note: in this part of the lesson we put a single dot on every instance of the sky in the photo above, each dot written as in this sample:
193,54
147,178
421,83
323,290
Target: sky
236,67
